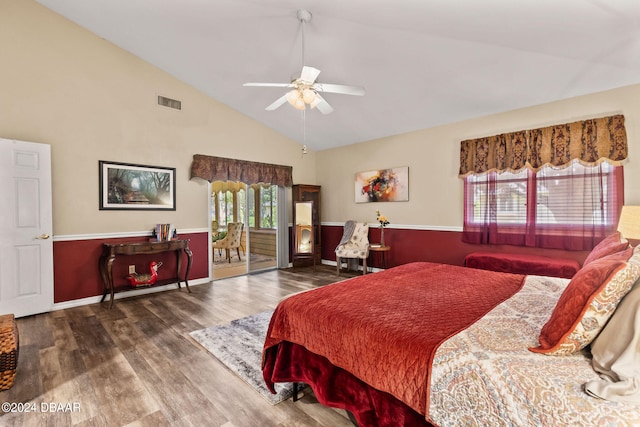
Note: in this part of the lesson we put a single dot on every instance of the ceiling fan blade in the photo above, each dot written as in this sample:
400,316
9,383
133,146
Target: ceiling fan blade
309,74
342,89
269,84
277,103
322,105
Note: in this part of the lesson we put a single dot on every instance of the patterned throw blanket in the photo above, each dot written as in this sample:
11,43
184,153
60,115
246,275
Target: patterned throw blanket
486,376
385,328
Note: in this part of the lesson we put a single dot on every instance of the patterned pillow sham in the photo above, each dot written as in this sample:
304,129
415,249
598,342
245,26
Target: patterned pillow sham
588,302
611,244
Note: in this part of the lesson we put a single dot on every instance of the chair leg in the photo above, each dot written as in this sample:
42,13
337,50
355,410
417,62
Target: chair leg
338,266
364,266
238,250
228,254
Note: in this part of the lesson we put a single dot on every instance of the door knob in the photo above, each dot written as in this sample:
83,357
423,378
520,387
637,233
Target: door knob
43,236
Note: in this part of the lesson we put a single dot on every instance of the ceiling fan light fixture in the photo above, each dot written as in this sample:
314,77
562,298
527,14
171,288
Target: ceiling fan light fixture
308,95
293,96
299,104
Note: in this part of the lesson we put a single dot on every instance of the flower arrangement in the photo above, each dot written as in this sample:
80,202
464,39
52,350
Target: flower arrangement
382,219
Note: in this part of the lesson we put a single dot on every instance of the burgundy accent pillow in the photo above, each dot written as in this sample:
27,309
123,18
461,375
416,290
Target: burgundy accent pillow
576,299
611,244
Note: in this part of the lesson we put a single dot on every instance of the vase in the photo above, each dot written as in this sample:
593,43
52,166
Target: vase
381,236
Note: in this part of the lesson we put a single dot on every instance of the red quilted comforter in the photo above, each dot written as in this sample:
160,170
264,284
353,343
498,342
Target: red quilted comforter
384,328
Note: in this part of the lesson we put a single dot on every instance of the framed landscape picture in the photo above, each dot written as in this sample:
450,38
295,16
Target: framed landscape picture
384,185
125,186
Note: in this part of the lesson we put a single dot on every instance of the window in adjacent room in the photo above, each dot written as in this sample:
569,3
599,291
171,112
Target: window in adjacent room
268,206
568,208
231,206
225,207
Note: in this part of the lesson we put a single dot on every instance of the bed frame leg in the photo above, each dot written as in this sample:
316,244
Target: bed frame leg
295,392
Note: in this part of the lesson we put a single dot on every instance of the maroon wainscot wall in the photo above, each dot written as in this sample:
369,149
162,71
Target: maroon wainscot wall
76,272
409,245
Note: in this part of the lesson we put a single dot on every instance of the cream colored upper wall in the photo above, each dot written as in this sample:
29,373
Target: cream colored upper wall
435,191
90,100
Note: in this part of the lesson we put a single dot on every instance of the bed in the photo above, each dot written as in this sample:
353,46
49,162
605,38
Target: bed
431,344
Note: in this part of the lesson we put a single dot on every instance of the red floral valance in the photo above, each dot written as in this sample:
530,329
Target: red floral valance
213,169
588,141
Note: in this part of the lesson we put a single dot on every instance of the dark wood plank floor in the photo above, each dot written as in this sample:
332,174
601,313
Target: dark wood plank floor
136,365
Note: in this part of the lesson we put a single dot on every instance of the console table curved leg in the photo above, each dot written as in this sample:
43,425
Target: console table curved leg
109,277
189,261
103,274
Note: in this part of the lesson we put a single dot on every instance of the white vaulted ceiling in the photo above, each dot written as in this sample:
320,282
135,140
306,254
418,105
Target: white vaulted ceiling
423,63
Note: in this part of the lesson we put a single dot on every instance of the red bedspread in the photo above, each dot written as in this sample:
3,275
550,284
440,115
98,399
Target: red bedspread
384,328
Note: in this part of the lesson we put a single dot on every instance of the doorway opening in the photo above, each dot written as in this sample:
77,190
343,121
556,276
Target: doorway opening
248,213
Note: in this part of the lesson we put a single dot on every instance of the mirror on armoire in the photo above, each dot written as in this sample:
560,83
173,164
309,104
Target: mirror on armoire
303,247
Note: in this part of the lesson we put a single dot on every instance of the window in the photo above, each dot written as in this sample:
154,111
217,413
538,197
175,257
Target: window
241,205
228,206
268,206
568,208
251,199
265,203
232,206
225,203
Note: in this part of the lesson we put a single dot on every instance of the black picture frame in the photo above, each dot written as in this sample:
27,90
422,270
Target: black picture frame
128,186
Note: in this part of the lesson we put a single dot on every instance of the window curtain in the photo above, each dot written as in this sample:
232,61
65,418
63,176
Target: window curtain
585,210
562,221
588,141
482,222
212,169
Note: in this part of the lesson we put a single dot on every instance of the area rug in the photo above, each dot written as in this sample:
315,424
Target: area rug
238,345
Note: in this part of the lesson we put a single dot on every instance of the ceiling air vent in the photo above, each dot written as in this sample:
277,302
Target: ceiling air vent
168,102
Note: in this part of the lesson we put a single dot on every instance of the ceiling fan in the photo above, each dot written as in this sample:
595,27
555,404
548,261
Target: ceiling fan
305,90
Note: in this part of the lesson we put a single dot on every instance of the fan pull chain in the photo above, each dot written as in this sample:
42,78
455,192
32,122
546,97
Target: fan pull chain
304,132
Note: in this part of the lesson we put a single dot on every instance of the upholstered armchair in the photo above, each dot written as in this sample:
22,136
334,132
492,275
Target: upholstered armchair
232,240
354,244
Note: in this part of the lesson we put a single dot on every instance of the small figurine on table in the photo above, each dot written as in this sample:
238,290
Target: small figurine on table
145,279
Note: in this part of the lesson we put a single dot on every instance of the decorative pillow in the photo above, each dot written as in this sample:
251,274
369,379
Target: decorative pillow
588,302
611,244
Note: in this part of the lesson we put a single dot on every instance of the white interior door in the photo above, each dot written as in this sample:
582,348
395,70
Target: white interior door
26,245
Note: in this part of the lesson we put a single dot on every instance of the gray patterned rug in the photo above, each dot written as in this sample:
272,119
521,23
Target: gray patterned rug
239,346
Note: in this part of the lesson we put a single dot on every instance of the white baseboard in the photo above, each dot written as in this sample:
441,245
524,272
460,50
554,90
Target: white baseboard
132,293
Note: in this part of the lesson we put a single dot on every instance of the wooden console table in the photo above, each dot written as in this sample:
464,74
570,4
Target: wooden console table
109,253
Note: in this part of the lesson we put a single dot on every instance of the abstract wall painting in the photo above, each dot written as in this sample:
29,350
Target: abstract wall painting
384,185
